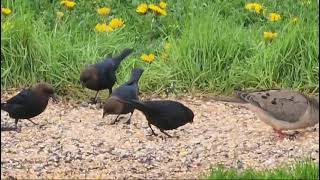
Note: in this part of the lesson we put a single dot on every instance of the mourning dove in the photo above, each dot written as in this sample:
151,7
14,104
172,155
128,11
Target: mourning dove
281,109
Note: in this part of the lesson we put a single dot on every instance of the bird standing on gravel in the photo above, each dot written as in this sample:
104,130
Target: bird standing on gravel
164,114
29,102
102,75
281,109
128,90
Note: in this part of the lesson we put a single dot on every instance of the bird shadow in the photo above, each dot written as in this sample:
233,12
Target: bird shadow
8,129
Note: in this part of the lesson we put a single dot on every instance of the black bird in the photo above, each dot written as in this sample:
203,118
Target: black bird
164,114
128,90
102,75
29,102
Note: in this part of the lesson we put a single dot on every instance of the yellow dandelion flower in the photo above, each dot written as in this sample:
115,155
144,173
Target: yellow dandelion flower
163,5
7,25
148,58
5,11
142,8
60,14
269,36
249,6
256,7
157,10
68,4
103,11
109,29
116,23
101,27
274,17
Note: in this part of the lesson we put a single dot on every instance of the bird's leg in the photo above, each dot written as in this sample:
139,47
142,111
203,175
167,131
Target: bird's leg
161,130
16,125
110,92
32,122
114,121
94,99
152,130
129,120
280,133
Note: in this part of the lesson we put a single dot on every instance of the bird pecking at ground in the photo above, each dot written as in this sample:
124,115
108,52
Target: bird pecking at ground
129,90
164,114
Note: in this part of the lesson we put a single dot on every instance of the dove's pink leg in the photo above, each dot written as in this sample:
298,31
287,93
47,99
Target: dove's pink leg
280,133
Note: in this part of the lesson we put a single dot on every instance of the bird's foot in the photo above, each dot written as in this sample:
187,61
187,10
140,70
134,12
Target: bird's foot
282,135
293,136
93,101
42,126
18,129
128,122
113,122
32,122
152,134
168,135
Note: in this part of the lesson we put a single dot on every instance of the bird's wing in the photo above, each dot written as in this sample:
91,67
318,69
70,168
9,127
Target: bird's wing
21,97
126,92
283,105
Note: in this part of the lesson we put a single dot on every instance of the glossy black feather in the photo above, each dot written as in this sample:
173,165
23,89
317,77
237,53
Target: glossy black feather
102,75
164,114
128,90
29,102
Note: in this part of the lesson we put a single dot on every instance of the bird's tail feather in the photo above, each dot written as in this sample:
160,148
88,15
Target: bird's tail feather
228,99
136,104
4,106
117,59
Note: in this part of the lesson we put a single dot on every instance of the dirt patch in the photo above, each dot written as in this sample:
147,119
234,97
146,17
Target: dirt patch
74,141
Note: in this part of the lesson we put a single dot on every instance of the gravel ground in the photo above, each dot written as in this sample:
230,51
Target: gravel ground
73,141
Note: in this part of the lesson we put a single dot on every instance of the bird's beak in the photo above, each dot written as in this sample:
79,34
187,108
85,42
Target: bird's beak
55,98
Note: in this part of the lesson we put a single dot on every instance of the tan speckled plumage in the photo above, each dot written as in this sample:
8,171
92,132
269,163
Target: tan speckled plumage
281,109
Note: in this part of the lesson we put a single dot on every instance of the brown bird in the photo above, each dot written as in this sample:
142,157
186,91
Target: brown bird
128,90
102,75
164,114
281,109
29,102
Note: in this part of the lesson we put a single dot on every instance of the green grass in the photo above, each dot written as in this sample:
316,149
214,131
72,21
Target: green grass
217,46
300,170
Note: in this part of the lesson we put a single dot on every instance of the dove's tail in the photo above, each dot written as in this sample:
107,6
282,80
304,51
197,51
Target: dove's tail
239,99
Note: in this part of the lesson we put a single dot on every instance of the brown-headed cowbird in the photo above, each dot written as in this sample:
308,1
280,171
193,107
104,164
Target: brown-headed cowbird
282,109
102,75
164,114
128,90
29,102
